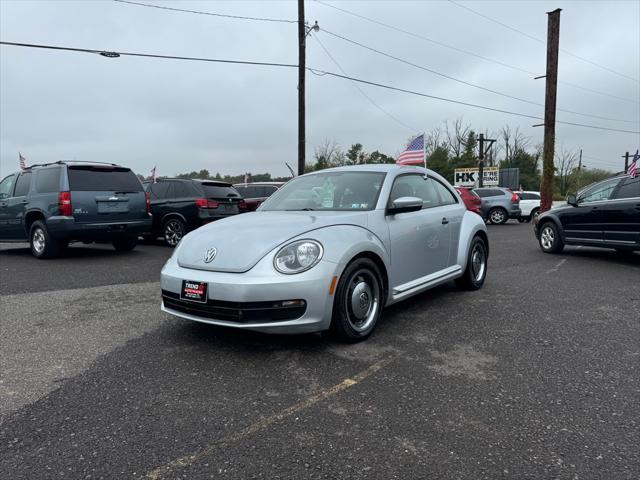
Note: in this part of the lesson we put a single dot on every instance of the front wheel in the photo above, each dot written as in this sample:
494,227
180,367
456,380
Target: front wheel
476,271
550,240
125,244
358,302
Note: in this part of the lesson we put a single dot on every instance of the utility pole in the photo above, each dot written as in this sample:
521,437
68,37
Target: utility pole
301,78
481,160
626,161
553,42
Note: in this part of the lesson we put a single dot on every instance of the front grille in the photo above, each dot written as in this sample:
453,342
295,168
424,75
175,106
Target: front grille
241,312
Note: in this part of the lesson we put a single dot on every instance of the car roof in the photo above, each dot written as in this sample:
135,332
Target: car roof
374,167
258,183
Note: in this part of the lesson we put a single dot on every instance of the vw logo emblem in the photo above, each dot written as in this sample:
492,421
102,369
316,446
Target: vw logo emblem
210,254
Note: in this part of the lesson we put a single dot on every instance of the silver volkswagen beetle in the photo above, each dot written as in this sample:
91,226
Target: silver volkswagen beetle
328,251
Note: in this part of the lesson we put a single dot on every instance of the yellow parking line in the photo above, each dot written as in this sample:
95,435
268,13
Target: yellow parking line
188,460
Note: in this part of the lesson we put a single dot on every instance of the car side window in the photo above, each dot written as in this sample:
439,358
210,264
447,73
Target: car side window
22,184
415,185
446,197
599,192
6,186
629,188
269,190
159,190
181,190
48,180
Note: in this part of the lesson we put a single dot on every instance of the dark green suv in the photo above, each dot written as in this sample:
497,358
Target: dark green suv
54,204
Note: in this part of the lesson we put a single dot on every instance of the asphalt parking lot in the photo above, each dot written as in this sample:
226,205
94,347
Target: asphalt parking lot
535,376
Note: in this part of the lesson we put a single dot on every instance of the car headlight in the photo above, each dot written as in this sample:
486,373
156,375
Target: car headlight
298,256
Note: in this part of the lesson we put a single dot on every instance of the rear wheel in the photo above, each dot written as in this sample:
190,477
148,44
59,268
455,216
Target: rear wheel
125,244
42,245
523,219
533,215
358,302
476,271
550,240
498,215
173,231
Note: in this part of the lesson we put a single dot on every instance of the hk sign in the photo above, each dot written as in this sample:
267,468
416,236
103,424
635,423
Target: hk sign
469,177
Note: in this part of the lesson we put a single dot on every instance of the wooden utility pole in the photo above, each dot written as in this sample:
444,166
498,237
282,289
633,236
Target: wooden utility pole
301,77
626,162
553,41
481,160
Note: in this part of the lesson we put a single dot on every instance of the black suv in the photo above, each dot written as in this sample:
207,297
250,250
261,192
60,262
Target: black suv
180,205
54,204
605,214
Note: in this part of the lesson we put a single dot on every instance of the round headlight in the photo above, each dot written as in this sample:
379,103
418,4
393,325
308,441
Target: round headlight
297,256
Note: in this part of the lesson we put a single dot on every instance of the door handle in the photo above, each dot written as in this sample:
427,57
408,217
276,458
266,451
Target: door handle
445,220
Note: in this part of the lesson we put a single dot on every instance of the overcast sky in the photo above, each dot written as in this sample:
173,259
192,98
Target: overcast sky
184,116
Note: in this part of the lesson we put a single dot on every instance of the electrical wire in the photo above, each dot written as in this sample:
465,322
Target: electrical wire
486,17
236,17
467,52
313,70
435,72
398,121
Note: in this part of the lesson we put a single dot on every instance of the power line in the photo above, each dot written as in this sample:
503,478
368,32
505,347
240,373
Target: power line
435,72
486,17
314,70
467,52
237,17
362,91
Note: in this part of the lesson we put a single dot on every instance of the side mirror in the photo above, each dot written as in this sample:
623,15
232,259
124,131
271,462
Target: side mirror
405,204
572,200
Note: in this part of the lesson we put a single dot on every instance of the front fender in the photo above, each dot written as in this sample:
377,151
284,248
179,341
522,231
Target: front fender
472,224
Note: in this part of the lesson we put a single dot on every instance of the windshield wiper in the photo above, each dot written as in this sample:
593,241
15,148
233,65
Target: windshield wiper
305,209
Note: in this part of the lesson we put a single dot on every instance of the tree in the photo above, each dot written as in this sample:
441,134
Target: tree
356,155
565,164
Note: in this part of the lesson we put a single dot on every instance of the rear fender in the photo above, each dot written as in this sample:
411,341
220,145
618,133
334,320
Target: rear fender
472,225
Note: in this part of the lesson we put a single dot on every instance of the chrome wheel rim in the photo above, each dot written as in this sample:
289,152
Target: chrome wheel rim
497,216
38,240
547,237
362,300
173,232
478,262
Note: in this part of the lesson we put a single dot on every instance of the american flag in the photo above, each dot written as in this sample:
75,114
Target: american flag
22,161
633,168
153,174
414,153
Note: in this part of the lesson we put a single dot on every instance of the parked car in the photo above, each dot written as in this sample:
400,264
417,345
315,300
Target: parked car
53,204
471,200
498,204
529,204
256,193
180,205
328,250
605,214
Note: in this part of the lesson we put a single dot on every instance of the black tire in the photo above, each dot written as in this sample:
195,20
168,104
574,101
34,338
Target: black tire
533,214
523,219
477,263
549,239
358,302
125,244
42,245
173,229
498,215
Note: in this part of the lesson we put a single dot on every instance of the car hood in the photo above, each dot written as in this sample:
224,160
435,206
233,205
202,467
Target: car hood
242,240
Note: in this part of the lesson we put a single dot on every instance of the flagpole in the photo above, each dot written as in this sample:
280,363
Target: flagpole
424,148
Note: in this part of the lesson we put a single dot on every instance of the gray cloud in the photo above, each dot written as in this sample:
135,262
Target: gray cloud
186,115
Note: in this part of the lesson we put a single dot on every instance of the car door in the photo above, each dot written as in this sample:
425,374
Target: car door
16,206
6,190
419,240
584,223
621,214
452,211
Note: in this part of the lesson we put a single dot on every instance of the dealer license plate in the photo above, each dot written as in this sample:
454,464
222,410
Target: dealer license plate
194,291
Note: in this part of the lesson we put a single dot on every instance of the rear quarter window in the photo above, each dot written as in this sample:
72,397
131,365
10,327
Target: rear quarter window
48,180
96,179
630,188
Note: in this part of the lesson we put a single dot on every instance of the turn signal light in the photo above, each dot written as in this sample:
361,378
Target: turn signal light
64,204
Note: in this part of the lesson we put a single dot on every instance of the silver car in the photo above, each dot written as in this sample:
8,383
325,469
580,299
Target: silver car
328,251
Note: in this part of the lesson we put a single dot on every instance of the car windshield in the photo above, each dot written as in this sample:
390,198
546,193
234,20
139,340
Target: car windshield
348,191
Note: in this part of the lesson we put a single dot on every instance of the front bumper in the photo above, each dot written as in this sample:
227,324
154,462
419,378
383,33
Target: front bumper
252,300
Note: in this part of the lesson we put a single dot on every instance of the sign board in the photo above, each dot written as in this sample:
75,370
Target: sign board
468,177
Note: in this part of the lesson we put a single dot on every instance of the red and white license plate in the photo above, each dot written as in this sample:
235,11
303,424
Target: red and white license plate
194,291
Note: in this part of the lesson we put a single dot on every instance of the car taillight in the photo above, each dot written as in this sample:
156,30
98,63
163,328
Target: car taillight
64,204
514,198
242,205
204,203
147,201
